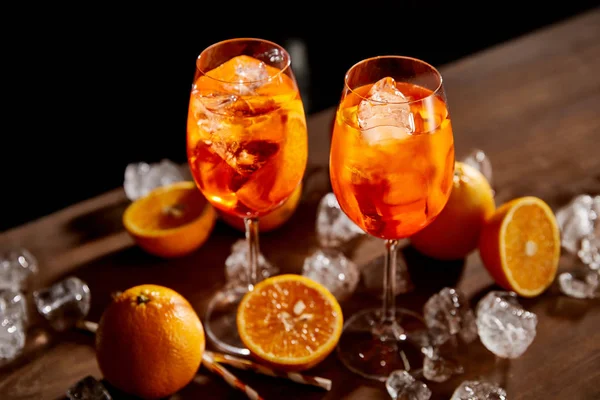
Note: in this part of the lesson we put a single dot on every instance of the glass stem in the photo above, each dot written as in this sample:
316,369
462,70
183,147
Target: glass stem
388,314
253,250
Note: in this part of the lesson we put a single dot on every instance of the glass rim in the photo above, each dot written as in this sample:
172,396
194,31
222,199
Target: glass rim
406,58
249,39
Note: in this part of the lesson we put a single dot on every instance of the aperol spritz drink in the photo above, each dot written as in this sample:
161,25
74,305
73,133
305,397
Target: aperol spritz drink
392,180
391,168
247,150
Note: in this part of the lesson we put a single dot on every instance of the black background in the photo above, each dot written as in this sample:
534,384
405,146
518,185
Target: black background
92,87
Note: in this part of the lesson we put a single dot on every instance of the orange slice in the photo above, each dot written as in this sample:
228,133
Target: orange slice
520,246
290,322
170,221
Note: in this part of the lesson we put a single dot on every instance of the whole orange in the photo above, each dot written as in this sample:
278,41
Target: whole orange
149,342
455,232
272,220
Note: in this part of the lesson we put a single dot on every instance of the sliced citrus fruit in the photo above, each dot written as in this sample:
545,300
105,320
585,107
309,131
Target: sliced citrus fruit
170,221
290,322
455,232
520,246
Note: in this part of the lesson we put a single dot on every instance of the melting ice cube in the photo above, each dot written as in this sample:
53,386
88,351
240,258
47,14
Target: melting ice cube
448,313
64,303
385,113
13,323
88,389
403,386
237,268
581,283
476,390
504,327
333,227
249,74
333,270
141,178
17,267
577,220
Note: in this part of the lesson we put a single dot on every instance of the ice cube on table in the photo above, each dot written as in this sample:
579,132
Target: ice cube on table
385,113
141,178
13,324
333,270
440,361
579,219
582,283
64,303
504,327
589,249
333,227
13,305
477,390
481,162
403,386
448,313
89,388
237,268
17,267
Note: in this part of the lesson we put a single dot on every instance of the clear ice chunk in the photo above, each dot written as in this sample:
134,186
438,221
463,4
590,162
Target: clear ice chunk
64,303
403,386
13,306
17,267
504,327
589,250
579,219
385,113
480,161
580,284
476,390
440,365
89,388
448,313
250,74
333,270
237,268
333,227
13,324
141,178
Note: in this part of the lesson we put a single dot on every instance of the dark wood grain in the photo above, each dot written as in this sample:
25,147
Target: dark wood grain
532,104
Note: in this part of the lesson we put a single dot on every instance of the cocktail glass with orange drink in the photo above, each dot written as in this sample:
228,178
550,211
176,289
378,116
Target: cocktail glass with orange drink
391,168
246,148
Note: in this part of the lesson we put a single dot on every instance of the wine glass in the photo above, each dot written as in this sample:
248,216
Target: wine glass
247,150
391,168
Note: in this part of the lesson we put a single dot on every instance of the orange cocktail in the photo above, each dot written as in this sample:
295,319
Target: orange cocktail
247,150
393,180
246,144
391,166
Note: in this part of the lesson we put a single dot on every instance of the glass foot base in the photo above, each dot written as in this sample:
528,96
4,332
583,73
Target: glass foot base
220,321
373,349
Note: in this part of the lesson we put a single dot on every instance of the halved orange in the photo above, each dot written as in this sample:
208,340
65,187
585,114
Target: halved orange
170,221
290,322
520,246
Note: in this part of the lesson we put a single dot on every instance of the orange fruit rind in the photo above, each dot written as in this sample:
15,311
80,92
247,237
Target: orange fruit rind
290,322
454,234
520,246
170,221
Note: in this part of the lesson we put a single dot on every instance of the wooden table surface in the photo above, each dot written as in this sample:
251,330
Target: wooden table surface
532,104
